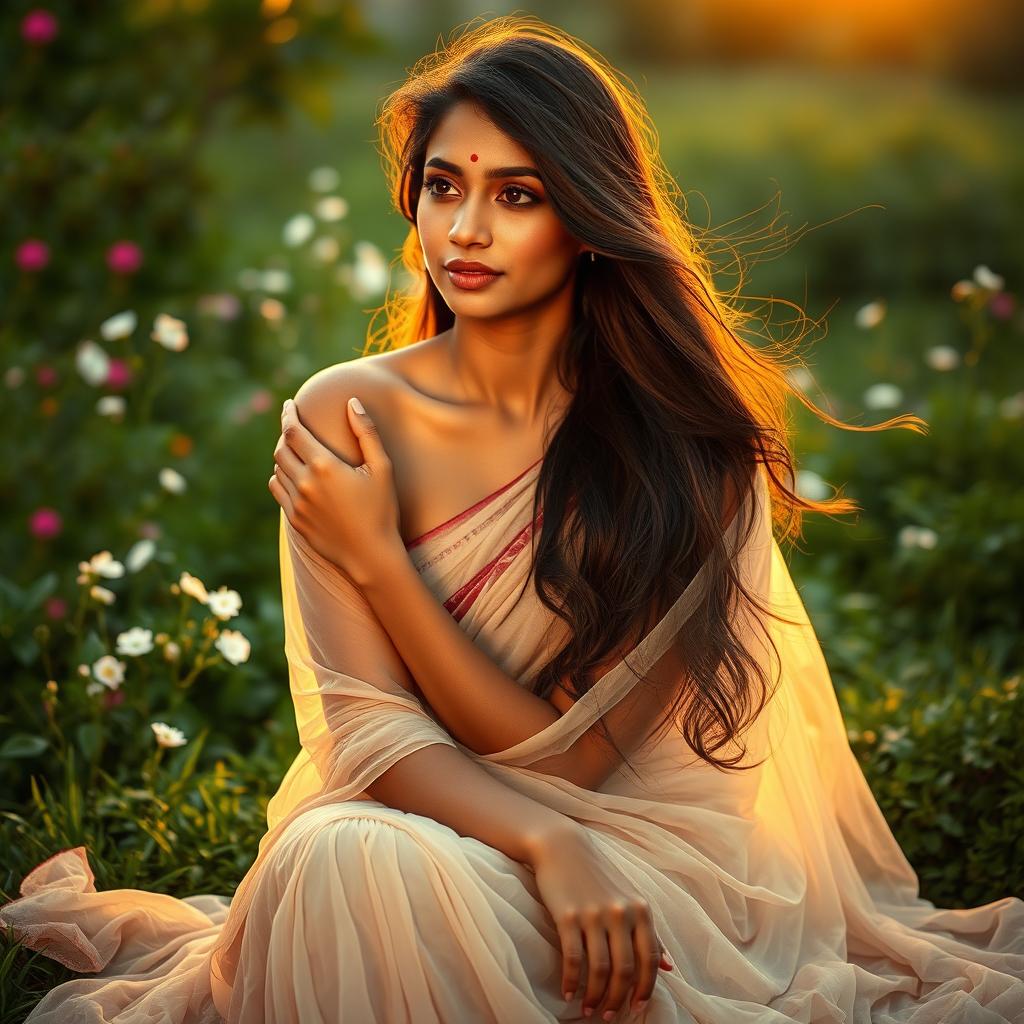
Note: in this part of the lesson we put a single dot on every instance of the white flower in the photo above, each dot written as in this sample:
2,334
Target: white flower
224,603
120,325
167,735
890,736
92,362
14,377
986,279
870,315
103,564
1012,408
917,537
102,594
233,645
942,357
298,230
112,406
331,208
883,396
369,273
109,671
172,651
811,486
171,480
139,554
326,249
276,281
93,688
170,332
323,179
135,641
193,586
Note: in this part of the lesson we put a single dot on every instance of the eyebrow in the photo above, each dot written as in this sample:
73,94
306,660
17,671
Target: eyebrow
494,172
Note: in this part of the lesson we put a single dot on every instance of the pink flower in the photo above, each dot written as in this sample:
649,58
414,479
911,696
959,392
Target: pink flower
124,257
223,305
56,607
260,401
119,374
33,254
38,27
112,698
46,376
45,522
1002,305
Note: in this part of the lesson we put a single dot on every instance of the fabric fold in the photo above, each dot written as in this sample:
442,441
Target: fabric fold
780,892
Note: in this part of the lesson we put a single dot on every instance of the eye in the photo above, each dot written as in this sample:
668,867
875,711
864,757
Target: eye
534,200
429,183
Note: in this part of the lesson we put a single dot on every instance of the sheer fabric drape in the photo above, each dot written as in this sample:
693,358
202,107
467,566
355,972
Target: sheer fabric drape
780,892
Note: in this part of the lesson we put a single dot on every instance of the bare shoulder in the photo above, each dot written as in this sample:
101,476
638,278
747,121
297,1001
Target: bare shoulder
322,399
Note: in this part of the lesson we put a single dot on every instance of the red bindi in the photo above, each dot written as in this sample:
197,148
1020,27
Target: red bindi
473,156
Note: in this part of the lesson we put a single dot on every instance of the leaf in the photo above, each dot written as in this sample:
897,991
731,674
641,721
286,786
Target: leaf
23,744
11,596
89,735
39,590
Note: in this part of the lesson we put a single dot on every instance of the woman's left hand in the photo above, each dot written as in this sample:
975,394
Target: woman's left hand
349,515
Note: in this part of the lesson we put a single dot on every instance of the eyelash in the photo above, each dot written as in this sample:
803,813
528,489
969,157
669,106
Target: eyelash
536,200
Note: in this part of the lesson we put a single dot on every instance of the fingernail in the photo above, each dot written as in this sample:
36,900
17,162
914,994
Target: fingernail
587,1011
567,996
608,1014
357,405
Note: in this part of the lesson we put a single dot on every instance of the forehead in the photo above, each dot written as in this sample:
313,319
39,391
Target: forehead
466,128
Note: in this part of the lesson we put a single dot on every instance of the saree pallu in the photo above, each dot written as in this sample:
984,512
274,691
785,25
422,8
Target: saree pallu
779,892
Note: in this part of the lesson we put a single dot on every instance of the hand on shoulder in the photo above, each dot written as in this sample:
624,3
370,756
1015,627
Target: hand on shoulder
322,399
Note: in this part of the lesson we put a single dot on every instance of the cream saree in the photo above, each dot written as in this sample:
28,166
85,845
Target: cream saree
780,893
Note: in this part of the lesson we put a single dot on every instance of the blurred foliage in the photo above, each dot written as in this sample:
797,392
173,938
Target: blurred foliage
979,45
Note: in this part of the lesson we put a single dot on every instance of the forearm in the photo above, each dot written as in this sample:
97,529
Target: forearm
463,686
442,783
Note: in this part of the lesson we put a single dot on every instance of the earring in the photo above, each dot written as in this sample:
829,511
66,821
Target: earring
593,256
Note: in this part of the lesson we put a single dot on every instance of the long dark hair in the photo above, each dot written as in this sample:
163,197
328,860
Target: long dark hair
671,409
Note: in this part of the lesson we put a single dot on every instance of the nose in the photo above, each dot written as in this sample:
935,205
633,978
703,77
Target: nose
469,225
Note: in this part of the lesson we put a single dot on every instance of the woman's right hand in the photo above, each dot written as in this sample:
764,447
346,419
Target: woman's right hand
597,911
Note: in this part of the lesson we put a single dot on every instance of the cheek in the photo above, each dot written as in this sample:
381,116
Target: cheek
542,248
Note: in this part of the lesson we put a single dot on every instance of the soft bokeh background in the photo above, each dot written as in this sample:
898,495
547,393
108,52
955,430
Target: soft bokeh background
196,220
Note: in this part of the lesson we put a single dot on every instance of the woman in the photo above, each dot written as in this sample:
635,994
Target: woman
570,748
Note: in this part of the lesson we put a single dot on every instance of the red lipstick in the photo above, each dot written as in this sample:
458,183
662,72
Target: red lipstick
471,274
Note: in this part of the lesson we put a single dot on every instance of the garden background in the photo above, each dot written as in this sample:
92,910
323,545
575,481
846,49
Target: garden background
196,221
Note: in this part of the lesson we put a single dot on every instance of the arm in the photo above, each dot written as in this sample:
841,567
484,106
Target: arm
460,682
463,686
364,728
442,783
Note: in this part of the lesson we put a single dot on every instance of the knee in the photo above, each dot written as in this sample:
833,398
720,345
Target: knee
334,834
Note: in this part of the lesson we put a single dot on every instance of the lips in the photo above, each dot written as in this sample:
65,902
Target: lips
469,267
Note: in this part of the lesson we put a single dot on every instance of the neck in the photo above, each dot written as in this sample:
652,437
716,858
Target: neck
509,365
